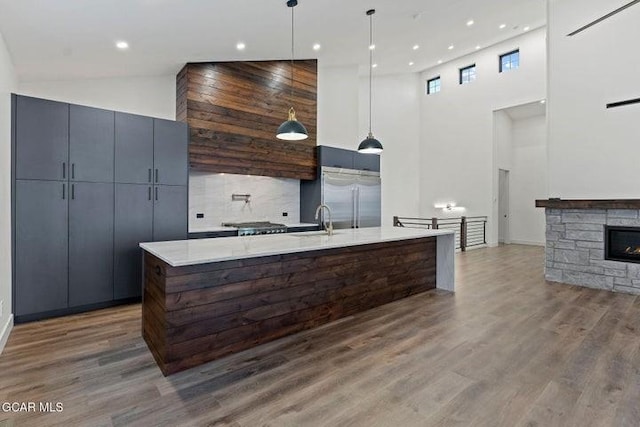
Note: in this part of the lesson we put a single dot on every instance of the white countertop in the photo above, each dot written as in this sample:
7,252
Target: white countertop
201,251
210,229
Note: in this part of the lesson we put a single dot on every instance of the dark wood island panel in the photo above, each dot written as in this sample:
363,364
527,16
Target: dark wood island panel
198,313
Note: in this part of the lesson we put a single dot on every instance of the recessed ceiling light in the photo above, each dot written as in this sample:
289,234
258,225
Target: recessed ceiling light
451,47
439,61
526,29
502,26
316,46
374,66
410,63
241,46
478,47
470,22
416,46
544,101
122,45
372,46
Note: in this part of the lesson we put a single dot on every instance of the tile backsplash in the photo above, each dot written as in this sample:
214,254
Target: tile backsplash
211,194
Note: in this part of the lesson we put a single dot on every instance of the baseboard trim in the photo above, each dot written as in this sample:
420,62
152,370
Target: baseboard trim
74,310
526,242
6,330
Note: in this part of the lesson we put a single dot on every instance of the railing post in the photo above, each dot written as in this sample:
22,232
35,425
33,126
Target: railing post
463,234
434,223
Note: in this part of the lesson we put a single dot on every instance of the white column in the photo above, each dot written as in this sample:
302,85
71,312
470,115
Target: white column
445,256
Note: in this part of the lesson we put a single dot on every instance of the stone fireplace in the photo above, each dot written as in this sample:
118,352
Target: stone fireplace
593,243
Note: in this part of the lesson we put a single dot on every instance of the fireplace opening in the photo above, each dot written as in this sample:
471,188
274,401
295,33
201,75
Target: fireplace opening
622,243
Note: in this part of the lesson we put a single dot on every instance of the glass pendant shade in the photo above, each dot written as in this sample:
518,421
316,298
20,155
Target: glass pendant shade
292,129
370,145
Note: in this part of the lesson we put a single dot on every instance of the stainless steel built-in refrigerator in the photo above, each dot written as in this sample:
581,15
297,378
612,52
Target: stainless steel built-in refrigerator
354,197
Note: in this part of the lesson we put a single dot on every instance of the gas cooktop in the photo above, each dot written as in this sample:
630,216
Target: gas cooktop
259,227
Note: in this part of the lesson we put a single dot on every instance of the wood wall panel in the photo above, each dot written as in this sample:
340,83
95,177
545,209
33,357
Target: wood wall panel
234,109
589,204
195,314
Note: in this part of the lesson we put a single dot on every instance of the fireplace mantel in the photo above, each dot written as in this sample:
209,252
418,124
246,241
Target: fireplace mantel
589,204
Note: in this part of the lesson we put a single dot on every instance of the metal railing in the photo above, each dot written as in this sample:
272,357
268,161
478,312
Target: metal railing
469,230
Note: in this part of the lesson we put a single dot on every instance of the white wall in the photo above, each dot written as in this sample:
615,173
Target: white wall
457,153
343,121
593,152
210,194
396,124
7,85
153,96
338,94
503,134
528,180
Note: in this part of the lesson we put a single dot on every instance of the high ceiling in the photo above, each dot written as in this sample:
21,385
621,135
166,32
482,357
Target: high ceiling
69,39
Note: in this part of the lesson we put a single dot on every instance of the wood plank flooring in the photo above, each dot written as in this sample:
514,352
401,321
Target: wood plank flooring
508,349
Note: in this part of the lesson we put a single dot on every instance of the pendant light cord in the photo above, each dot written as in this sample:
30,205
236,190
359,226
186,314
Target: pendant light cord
292,51
370,69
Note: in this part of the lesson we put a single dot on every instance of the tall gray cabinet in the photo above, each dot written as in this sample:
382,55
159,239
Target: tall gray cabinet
151,192
88,186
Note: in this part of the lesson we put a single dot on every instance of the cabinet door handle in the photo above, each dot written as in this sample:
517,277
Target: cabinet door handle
73,191
64,191
64,170
73,171
149,191
156,194
149,175
156,176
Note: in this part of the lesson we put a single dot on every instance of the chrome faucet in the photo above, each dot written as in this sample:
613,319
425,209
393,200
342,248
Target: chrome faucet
329,228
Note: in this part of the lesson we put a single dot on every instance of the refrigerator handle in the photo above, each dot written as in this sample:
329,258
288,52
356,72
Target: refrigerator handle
357,207
353,207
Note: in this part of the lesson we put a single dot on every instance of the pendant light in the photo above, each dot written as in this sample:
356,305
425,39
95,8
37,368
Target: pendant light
292,129
370,145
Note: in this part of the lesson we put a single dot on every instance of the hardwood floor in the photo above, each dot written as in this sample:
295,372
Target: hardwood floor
508,349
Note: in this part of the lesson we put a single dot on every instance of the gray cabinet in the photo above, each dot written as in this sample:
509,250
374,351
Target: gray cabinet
134,149
170,212
347,159
41,246
366,162
170,152
335,157
42,130
90,243
85,195
133,225
91,144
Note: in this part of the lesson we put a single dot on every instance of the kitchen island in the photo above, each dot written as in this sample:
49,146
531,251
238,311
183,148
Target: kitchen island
204,299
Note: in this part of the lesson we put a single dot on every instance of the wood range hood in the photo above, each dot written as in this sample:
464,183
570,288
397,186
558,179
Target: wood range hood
234,109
